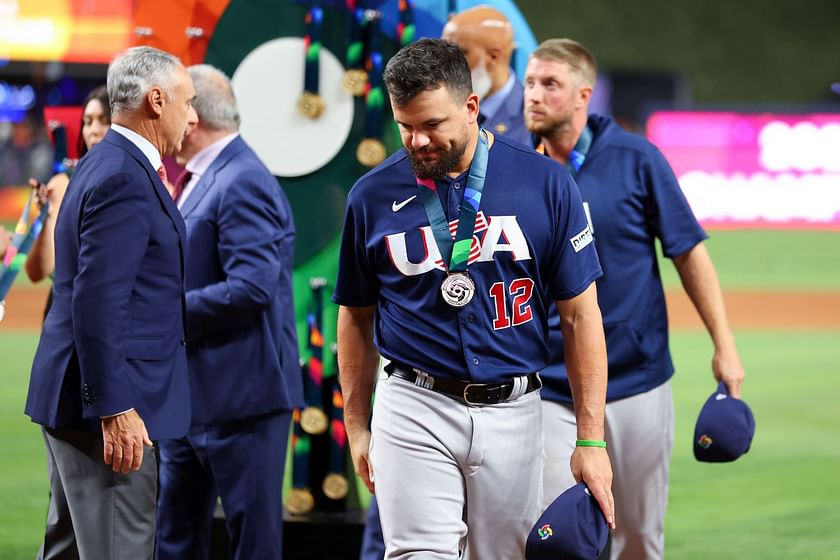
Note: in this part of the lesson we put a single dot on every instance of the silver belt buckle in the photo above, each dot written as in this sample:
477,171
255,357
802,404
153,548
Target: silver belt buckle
466,390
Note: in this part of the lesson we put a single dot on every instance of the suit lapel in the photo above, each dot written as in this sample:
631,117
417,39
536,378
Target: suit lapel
208,178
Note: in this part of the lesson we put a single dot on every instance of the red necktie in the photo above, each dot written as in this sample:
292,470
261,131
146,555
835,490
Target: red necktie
162,174
181,183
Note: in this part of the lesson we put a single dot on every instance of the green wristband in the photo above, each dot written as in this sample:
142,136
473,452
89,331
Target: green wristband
591,443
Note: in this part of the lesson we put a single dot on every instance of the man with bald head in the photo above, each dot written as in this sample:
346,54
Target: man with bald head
242,347
486,37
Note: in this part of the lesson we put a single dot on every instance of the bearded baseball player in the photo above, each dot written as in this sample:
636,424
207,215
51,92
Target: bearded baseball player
633,198
453,252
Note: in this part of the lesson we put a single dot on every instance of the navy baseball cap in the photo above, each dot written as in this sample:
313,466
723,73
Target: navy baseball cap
571,528
724,429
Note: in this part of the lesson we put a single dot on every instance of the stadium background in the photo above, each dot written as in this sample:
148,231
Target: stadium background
782,287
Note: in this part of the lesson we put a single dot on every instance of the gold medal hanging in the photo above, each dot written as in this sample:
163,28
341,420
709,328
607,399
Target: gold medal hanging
310,103
300,501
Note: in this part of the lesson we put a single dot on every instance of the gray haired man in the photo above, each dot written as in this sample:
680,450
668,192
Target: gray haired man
110,374
242,350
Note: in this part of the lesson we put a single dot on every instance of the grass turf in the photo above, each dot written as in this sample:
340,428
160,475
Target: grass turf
781,499
23,472
771,260
778,501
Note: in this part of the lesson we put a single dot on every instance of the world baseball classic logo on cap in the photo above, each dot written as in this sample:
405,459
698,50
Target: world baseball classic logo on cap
704,441
544,532
572,527
724,429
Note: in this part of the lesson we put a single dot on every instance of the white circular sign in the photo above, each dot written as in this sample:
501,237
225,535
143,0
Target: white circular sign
268,83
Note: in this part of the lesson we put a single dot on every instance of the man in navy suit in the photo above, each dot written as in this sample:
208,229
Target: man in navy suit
110,372
242,347
486,37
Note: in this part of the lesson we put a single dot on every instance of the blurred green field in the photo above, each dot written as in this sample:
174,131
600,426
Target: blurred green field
780,501
772,260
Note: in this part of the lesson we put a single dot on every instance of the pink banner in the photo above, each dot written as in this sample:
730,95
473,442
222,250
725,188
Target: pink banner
764,170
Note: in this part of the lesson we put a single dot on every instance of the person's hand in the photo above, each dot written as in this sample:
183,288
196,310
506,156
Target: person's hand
592,466
359,442
124,436
45,193
727,367
42,192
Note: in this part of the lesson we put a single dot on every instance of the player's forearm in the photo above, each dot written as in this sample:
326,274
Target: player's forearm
586,361
357,362
700,281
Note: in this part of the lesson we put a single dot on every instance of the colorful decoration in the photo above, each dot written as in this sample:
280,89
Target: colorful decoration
313,419
310,102
335,484
405,27
371,151
300,499
354,80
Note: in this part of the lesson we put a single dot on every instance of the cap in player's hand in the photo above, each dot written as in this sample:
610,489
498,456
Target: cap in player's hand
724,429
572,527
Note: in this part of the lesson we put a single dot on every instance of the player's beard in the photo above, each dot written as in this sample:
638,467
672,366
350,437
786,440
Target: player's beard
448,160
549,126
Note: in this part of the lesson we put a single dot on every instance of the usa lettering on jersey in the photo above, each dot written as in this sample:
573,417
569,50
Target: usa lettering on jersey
500,234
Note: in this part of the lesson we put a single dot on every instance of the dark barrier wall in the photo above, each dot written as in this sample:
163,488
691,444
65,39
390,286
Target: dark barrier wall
746,51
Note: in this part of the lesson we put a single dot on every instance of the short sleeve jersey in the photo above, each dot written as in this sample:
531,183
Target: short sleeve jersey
633,199
531,245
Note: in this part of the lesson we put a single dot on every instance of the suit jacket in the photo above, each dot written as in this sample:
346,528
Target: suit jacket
114,337
242,349
509,120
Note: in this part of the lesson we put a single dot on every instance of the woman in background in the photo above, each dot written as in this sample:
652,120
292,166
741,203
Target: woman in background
96,119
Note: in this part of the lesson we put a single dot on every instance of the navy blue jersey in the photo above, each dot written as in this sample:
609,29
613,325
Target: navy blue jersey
633,198
532,245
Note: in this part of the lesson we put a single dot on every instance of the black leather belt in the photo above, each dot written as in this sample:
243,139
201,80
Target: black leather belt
468,393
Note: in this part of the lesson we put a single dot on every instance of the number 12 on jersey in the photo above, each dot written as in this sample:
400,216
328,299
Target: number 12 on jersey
520,291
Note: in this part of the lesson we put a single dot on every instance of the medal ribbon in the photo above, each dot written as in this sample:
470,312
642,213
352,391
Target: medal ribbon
455,254
374,97
338,436
355,45
578,153
315,366
312,46
24,236
405,27
301,449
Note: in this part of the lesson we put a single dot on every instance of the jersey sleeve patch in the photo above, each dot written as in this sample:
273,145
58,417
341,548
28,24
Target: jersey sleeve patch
581,240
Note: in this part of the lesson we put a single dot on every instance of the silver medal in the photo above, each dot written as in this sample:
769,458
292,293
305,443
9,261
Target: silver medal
457,289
